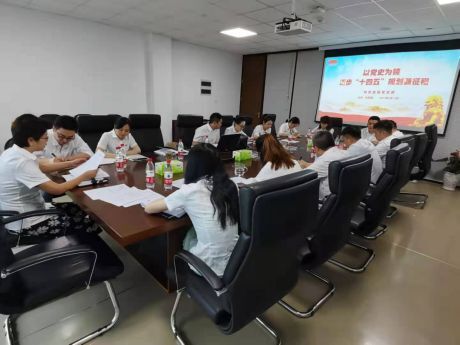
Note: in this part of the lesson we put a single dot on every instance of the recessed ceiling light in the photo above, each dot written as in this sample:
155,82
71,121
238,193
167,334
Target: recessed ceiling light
238,32
446,2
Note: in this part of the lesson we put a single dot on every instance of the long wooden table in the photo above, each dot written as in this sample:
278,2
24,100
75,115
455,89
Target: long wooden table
151,239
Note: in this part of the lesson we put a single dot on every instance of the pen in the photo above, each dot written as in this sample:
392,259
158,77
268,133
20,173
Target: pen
53,155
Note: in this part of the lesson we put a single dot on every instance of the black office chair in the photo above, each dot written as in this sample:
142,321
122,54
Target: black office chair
91,127
410,140
227,121
366,221
146,129
49,118
185,128
51,270
273,118
348,181
416,200
424,164
264,264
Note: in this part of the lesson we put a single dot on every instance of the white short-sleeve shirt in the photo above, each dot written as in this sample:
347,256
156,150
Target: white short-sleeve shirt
206,132
366,135
362,147
318,129
109,142
215,245
398,134
259,130
383,147
231,130
71,148
321,166
20,176
285,130
267,172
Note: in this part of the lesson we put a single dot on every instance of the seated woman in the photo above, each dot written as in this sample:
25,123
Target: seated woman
324,125
237,127
264,128
210,199
277,161
289,129
21,182
119,135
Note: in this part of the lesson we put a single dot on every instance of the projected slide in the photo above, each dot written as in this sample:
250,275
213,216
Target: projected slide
412,88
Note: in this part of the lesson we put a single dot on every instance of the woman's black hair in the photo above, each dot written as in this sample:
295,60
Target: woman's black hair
121,122
27,126
295,120
204,163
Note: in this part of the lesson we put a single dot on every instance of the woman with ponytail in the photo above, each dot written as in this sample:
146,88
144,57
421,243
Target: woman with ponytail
277,161
210,199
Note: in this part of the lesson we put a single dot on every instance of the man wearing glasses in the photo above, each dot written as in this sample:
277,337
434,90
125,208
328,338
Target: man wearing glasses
64,145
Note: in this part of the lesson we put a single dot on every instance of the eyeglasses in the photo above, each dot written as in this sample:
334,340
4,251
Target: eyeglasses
63,137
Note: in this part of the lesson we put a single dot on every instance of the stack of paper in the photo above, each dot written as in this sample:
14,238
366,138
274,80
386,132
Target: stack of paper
164,151
91,164
100,175
134,158
106,161
122,195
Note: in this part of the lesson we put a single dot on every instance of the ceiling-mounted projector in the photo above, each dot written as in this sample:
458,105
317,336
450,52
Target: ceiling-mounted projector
293,26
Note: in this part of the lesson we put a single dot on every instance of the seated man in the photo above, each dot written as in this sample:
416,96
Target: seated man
396,132
368,132
326,152
356,146
384,134
65,148
237,127
210,132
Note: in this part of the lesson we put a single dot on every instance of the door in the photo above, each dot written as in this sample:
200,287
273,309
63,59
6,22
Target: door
252,86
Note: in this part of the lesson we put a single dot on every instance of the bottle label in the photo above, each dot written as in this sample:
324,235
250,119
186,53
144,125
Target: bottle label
168,178
150,179
119,164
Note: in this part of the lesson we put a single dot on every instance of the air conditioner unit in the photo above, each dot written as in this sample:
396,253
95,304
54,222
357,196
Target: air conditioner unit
293,27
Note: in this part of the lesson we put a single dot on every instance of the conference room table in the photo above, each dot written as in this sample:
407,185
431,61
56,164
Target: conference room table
152,239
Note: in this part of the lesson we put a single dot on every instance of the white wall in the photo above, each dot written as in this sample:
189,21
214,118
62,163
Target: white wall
191,64
279,77
57,64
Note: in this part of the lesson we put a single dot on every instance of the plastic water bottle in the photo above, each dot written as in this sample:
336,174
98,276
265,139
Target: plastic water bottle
150,174
309,133
180,150
119,160
125,156
168,175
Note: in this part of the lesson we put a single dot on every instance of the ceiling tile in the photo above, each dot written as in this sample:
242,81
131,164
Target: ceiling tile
261,28
395,6
360,10
241,6
331,4
395,34
435,31
422,18
55,6
266,15
301,9
377,22
274,2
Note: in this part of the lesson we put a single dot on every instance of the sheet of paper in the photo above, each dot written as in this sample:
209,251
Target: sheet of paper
123,196
178,183
291,142
91,164
164,151
147,197
106,161
99,175
106,192
136,157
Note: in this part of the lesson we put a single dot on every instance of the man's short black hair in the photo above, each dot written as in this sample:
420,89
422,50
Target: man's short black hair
239,119
66,122
374,118
295,120
323,140
121,121
215,117
267,118
395,125
27,126
352,131
325,119
384,125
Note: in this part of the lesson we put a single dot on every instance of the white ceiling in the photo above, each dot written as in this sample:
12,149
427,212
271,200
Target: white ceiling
200,21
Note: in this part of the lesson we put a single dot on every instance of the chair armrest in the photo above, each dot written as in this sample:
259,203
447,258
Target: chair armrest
41,258
8,213
14,218
208,274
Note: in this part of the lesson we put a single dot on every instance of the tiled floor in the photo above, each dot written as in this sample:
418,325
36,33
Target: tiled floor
408,295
